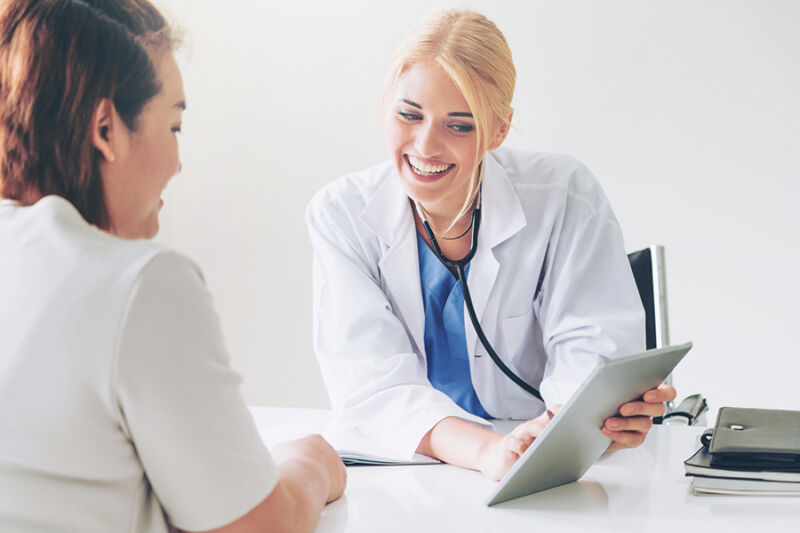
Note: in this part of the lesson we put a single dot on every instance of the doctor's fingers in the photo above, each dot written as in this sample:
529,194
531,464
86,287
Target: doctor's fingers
642,409
624,439
640,424
527,431
515,445
664,393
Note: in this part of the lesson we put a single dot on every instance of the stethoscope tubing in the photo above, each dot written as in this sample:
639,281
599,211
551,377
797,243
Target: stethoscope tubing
460,267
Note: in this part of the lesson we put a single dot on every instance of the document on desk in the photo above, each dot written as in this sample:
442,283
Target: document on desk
353,446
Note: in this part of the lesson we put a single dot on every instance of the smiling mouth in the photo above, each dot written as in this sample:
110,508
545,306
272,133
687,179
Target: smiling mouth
423,169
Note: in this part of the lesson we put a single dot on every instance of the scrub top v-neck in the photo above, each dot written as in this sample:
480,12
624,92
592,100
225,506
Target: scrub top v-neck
445,337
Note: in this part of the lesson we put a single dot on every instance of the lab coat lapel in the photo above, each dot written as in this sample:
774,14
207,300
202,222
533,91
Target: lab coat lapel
388,214
501,217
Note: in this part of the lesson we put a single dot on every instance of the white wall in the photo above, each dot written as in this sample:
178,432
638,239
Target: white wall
687,111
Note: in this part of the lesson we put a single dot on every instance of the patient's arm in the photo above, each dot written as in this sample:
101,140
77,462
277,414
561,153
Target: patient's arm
311,474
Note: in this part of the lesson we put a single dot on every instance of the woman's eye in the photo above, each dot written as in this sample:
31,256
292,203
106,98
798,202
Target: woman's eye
462,128
409,116
176,129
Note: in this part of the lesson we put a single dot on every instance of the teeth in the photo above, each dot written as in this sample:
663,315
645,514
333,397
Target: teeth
425,169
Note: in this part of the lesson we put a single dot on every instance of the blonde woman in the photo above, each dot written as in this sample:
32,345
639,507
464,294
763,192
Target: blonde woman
548,275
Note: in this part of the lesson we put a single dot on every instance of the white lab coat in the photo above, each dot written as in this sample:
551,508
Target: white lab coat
539,211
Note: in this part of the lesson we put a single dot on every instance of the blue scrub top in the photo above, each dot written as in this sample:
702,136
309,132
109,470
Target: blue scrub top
445,337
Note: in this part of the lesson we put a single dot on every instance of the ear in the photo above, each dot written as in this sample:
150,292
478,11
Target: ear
501,132
104,128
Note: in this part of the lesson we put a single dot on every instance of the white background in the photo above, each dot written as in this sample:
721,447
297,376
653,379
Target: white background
687,111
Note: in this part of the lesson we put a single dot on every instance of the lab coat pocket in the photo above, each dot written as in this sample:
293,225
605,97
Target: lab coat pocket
517,333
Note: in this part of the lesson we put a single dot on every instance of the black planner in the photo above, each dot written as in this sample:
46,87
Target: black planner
766,439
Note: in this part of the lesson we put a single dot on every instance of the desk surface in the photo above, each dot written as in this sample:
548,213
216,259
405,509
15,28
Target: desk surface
641,490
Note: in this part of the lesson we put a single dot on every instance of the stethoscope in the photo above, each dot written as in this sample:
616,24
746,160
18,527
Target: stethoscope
460,266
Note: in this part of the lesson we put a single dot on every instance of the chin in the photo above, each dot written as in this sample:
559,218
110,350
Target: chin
423,196
152,232
150,228
425,193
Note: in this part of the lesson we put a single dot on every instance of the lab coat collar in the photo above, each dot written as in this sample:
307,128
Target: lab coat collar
501,217
388,213
501,214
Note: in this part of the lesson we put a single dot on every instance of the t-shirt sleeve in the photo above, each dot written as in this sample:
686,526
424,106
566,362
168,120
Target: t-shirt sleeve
180,403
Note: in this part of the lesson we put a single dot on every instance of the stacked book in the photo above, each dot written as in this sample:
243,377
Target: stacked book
749,451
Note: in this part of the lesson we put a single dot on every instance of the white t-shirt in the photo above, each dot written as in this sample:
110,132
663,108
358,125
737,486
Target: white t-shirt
118,407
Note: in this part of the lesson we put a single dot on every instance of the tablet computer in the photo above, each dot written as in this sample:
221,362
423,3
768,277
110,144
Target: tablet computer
572,441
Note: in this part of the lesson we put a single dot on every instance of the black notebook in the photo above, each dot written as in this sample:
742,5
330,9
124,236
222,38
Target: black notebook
699,464
767,439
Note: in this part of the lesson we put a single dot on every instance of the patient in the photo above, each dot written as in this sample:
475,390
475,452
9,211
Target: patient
119,410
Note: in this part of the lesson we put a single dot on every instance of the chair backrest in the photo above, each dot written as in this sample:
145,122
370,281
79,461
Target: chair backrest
649,272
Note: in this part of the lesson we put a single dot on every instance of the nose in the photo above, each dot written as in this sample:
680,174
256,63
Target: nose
428,142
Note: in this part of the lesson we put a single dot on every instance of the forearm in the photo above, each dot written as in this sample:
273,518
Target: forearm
458,442
293,506
306,487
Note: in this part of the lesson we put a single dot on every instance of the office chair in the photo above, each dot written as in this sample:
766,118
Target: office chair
648,271
648,268
651,281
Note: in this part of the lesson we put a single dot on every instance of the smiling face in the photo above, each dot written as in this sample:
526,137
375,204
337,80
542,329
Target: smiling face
145,158
430,134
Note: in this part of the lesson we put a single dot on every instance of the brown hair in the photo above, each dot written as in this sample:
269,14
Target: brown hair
58,60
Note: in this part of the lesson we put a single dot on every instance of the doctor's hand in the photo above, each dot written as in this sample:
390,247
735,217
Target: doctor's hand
630,429
500,454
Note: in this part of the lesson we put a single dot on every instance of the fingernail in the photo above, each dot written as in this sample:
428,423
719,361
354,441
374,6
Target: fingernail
613,424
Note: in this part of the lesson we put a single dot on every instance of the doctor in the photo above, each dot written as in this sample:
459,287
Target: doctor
549,278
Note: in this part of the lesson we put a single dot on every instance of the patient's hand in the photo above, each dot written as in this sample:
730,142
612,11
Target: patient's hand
630,429
500,454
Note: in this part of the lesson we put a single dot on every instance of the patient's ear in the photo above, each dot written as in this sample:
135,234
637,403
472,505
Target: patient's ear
104,128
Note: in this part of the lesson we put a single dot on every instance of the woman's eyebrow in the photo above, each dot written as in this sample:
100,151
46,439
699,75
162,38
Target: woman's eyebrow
181,105
453,114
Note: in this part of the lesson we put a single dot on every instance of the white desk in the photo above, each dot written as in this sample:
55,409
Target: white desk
641,490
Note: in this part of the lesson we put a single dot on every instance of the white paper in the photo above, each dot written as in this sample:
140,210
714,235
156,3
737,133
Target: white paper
352,445
356,448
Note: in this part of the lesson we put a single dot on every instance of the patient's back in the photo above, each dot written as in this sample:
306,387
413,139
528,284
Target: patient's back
118,407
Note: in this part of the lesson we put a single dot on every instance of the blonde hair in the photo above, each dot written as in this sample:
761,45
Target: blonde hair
474,53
